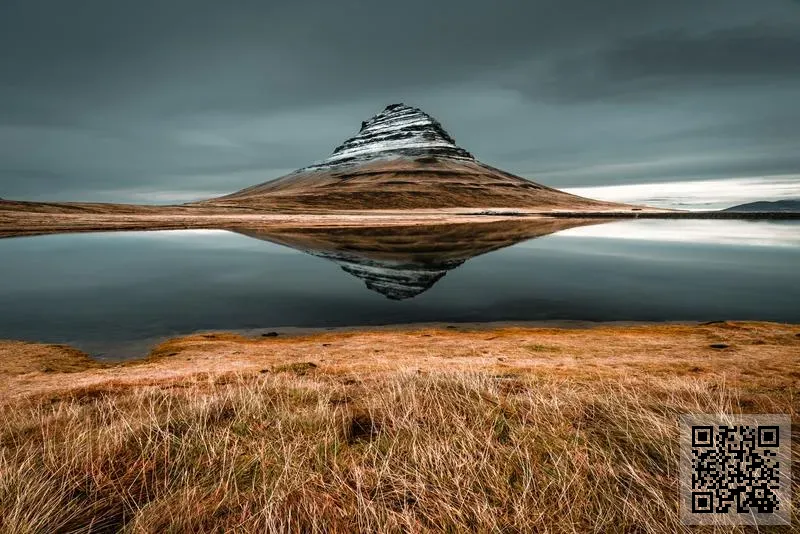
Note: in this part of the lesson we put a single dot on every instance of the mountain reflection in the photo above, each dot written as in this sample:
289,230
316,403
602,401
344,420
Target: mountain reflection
401,262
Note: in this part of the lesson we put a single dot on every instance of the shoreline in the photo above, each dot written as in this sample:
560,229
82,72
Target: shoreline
145,346
25,365
20,219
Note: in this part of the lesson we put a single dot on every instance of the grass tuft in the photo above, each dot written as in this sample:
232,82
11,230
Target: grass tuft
458,451
299,368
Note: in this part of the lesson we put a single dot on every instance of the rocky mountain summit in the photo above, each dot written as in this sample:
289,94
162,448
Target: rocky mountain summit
398,130
402,158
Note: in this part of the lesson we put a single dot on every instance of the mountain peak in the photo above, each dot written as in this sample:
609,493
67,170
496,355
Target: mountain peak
402,158
394,106
398,130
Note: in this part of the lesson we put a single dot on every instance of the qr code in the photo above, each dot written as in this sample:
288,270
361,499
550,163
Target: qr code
735,469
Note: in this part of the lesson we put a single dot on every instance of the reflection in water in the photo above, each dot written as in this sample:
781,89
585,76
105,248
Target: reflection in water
712,232
116,294
403,262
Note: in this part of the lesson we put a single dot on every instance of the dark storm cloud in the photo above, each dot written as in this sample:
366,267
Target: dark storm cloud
120,100
745,52
673,61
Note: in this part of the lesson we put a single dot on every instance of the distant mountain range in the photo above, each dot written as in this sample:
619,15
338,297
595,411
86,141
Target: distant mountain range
763,206
403,158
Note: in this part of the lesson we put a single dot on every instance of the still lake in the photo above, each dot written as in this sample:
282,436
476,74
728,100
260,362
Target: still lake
115,294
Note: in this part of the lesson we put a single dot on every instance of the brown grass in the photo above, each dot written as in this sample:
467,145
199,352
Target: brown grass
20,357
512,430
408,183
27,219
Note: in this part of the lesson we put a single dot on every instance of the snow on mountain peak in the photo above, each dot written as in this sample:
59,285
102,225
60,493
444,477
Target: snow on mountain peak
398,130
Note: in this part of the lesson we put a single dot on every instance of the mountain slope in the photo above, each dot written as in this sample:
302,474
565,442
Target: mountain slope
764,206
402,158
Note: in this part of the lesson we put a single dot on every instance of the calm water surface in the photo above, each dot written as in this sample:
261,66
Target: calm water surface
113,293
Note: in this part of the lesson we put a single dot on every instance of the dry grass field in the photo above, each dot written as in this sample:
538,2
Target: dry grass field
408,183
353,206
32,218
419,430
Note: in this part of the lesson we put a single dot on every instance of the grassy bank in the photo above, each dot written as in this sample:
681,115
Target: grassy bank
520,430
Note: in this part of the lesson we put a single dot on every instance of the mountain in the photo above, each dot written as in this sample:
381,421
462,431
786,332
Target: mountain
403,158
778,206
403,262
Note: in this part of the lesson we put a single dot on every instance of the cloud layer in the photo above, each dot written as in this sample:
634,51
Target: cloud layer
174,99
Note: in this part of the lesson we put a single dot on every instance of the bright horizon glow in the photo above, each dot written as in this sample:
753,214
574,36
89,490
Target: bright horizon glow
698,195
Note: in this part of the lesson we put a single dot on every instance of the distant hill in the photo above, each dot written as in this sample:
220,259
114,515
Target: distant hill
402,158
763,206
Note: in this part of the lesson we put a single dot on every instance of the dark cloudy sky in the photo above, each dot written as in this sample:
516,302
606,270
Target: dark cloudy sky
172,100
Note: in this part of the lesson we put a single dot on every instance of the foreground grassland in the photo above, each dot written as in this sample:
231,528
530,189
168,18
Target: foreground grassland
504,430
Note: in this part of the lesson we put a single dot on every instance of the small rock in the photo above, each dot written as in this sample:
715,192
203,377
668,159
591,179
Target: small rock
326,344
298,368
719,345
270,334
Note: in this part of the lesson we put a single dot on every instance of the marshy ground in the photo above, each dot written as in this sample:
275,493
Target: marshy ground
513,429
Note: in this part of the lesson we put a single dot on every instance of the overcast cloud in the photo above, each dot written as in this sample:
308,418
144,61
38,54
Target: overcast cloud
173,100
